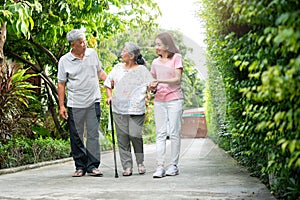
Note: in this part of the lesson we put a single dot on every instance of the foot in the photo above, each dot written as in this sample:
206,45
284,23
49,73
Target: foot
141,168
172,170
78,173
160,172
127,172
95,172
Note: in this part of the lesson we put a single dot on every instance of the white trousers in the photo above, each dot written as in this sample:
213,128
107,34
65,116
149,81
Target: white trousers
168,123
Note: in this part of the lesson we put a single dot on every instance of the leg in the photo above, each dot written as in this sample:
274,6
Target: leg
92,140
75,125
161,121
136,123
122,129
175,113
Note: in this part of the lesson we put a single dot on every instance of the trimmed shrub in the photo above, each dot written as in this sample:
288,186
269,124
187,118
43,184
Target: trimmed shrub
253,47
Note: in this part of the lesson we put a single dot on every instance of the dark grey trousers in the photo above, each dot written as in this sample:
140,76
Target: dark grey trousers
85,154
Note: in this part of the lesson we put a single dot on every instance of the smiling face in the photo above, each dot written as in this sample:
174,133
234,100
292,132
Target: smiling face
126,56
160,47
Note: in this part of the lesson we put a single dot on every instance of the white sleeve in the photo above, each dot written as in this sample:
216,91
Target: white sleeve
61,75
109,78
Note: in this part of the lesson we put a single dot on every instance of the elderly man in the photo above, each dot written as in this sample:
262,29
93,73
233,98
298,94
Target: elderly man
79,71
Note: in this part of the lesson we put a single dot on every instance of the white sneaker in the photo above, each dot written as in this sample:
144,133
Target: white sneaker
172,170
160,172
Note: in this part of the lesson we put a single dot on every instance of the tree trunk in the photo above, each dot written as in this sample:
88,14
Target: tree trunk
2,42
52,109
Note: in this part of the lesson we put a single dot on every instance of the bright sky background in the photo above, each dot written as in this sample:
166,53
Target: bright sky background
181,15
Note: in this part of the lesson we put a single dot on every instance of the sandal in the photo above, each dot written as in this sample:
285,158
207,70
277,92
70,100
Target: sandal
141,169
78,173
127,172
95,172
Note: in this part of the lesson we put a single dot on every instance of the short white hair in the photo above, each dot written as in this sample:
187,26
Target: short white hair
75,34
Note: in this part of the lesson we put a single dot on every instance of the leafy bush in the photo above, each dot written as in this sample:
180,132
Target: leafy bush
15,94
21,150
254,47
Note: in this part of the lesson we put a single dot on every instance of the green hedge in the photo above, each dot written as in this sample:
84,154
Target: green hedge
254,86
22,150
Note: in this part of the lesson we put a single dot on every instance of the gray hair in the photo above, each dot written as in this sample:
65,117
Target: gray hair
74,35
134,49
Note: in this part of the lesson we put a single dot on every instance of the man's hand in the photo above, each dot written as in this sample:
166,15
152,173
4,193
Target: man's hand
63,112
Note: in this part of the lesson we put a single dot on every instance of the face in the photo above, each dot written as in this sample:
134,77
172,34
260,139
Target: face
125,55
160,47
79,45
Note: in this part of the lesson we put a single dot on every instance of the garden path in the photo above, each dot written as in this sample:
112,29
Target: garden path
206,173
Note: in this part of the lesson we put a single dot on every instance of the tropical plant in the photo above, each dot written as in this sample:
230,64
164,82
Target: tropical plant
36,32
15,94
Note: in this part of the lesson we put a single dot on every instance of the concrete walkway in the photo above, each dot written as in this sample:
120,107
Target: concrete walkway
206,172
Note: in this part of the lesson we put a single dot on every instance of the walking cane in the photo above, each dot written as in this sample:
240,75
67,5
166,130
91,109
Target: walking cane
113,138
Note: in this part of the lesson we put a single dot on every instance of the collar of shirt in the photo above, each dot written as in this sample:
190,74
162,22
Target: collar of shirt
87,53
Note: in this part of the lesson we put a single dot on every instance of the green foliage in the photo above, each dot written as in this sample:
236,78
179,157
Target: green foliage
19,15
15,95
254,47
149,131
215,107
36,37
21,150
192,86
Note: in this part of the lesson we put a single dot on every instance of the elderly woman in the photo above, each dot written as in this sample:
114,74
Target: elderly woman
130,81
